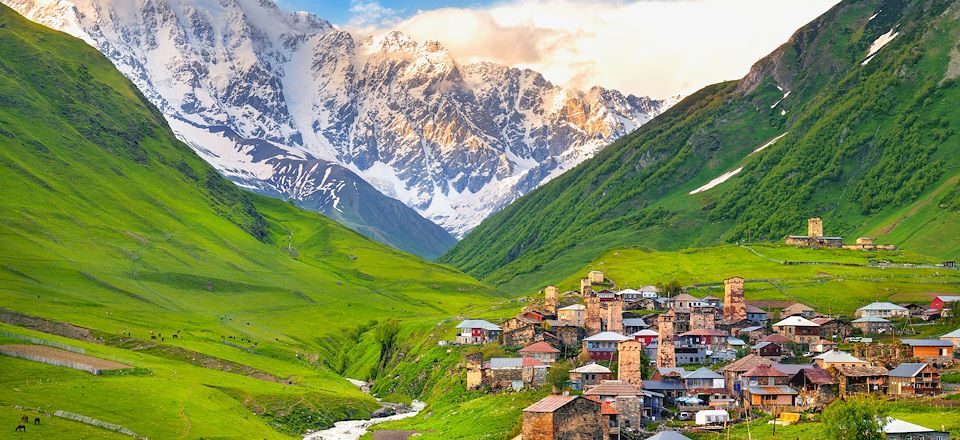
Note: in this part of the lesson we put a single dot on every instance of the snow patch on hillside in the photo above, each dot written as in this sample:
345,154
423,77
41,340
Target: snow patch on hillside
771,142
878,44
723,178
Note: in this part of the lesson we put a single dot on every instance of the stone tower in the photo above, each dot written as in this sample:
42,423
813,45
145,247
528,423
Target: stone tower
552,295
614,315
586,287
702,317
666,355
815,227
629,362
592,319
734,307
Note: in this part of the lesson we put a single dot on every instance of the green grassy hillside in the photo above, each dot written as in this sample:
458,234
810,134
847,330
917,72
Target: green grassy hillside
109,223
871,148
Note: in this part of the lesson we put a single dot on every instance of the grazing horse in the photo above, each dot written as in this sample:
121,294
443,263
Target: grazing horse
21,428
36,421
25,419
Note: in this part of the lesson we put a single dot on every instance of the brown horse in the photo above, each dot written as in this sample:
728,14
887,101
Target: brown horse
20,428
25,419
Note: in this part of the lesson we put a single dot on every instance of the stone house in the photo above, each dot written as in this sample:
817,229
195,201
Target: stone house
814,238
932,351
499,373
860,379
701,337
572,313
522,334
798,309
872,325
733,373
685,301
815,386
564,418
833,328
629,401
541,351
633,325
565,334
596,277
823,346
477,331
589,375
798,329
914,379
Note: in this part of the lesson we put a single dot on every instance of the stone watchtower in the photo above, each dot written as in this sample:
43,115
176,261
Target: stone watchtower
734,306
814,227
615,315
552,296
702,318
629,361
592,319
586,287
666,354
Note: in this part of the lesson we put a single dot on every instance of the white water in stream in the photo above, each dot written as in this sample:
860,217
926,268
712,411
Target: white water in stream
353,429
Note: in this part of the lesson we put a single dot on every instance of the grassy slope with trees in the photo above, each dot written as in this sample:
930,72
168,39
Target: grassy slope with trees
870,148
109,223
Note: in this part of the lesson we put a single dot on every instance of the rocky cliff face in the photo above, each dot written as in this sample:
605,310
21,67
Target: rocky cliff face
264,95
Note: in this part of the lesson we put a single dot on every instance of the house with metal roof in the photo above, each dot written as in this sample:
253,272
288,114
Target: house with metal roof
574,313
798,329
589,375
815,386
896,429
914,379
541,351
943,301
882,309
477,331
932,351
556,417
798,309
603,345
952,337
873,325
768,397
836,358
633,325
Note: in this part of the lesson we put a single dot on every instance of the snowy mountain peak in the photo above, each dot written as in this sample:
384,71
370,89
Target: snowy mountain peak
254,89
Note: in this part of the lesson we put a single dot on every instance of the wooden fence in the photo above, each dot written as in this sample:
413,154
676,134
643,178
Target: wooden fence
60,363
95,422
45,342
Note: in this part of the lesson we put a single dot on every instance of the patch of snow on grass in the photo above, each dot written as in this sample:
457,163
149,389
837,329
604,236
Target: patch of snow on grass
878,44
772,141
723,178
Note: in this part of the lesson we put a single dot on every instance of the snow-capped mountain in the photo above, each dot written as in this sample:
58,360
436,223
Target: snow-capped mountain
280,102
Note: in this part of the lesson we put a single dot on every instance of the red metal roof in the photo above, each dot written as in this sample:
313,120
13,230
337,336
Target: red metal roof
764,371
539,347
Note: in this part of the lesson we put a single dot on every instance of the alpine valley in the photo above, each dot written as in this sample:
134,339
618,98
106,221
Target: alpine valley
287,105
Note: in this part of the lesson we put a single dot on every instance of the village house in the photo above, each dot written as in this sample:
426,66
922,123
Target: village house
704,384
815,386
882,309
596,277
500,373
670,389
541,351
757,315
931,315
896,429
770,397
914,379
797,309
932,351
633,325
765,375
823,346
834,358
952,337
589,375
833,328
603,346
860,379
564,418
867,244
630,295
635,405
566,334
649,292
733,372
696,354
685,301
798,329
943,301
645,336
521,331
872,325
606,295
735,344
713,339
768,350
573,313
477,331
913,308
752,333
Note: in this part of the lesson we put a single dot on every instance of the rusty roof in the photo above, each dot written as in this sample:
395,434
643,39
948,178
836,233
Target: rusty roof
539,347
549,404
772,390
817,376
775,338
745,363
704,332
608,409
613,388
764,370
861,371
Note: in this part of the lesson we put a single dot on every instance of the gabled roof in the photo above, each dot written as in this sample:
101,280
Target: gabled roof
897,426
752,328
926,342
761,345
755,309
539,347
666,371
764,371
634,322
745,363
775,338
953,334
907,370
735,341
793,369
663,385
797,308
574,307
550,404
645,332
881,305
591,368
774,390
685,297
796,321
606,336
861,371
613,388
608,409
650,289
509,363
703,373
704,332
836,356
668,435
949,298
478,323
817,376
871,319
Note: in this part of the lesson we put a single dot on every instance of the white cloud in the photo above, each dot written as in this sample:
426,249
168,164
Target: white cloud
369,15
656,48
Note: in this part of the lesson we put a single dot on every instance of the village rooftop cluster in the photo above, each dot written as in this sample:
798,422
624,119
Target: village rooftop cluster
627,348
